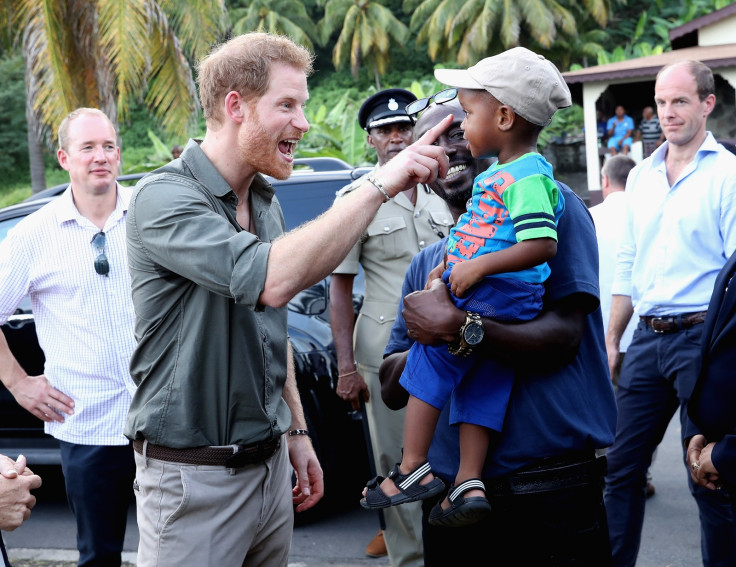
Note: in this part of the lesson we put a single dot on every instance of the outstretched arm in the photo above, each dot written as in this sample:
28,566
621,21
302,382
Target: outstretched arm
307,254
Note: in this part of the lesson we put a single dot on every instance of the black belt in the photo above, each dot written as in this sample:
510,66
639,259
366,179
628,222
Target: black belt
673,323
550,475
232,457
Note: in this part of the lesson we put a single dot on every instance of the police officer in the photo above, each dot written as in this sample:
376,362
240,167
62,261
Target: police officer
404,225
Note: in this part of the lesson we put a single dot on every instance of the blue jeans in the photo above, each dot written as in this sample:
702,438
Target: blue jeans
561,528
99,488
656,379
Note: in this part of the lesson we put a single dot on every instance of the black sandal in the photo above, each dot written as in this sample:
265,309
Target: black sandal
462,511
408,485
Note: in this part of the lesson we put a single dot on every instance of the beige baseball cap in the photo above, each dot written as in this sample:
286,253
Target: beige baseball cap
519,78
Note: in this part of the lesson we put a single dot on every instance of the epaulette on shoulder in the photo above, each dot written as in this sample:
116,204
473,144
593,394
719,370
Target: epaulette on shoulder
352,187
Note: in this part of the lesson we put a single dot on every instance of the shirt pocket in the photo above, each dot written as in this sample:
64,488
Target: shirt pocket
386,234
442,221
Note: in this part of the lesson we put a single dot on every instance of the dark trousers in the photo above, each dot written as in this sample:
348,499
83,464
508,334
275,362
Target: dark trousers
657,377
99,488
560,528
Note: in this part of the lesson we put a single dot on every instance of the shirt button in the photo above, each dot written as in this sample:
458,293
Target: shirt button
386,228
416,215
421,244
381,318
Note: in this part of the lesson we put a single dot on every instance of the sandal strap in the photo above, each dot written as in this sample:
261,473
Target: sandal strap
463,487
405,481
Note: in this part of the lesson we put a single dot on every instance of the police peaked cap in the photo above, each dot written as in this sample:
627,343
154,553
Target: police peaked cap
385,107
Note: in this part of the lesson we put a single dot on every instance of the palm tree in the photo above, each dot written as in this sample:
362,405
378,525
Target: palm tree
110,52
369,31
271,16
468,30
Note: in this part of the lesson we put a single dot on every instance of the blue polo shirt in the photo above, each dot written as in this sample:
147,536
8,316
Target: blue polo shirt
551,412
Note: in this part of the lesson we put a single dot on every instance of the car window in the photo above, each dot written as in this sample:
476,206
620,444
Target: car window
302,201
6,225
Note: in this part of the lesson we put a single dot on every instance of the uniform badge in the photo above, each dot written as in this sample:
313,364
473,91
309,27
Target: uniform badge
392,104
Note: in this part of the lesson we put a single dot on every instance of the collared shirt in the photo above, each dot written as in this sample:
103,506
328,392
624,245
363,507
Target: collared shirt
211,361
84,321
399,230
552,411
609,217
676,239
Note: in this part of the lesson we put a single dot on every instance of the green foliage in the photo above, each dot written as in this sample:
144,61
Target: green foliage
601,30
369,34
288,17
134,129
13,128
566,123
147,158
14,194
642,28
336,132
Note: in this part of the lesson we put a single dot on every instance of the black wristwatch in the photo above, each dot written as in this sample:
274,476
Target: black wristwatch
471,335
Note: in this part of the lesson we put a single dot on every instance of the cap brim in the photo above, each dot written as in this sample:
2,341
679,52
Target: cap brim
458,78
388,120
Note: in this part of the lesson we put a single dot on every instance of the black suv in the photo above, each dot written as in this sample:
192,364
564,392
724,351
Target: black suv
337,432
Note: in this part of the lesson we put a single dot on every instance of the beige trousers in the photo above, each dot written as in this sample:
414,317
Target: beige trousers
205,516
403,533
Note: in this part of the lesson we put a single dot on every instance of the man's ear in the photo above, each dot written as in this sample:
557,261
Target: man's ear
710,103
505,117
369,141
235,107
63,158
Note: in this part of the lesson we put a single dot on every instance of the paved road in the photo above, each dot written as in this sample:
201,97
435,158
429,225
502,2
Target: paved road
670,538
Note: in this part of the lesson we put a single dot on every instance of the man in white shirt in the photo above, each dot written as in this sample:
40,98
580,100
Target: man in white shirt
609,217
70,256
680,229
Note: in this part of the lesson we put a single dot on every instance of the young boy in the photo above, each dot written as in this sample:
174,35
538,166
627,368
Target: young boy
501,243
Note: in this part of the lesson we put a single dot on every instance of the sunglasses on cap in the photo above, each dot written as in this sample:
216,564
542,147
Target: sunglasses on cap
414,108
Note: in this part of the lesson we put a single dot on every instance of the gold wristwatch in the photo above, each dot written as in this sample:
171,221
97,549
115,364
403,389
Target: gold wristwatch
471,335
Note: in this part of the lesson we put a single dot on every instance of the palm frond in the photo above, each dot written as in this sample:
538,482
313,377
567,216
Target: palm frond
172,93
198,24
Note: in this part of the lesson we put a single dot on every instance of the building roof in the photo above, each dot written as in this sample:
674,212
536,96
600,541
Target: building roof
714,56
702,21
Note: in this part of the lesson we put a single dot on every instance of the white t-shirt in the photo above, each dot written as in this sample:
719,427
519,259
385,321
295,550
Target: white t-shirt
609,219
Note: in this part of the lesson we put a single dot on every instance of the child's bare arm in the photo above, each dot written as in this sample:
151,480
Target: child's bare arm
520,256
436,273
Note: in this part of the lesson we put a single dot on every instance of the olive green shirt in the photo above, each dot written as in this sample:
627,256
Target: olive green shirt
210,363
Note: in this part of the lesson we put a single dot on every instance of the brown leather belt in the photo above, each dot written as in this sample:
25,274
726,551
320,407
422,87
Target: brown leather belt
674,323
232,457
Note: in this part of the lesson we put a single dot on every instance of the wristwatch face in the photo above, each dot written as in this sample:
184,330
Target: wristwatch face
473,334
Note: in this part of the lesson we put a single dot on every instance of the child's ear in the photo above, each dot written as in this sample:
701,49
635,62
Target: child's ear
505,117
